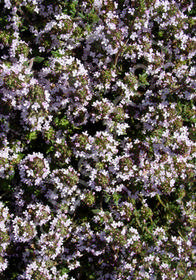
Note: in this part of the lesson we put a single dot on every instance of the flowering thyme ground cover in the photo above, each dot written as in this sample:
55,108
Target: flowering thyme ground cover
97,140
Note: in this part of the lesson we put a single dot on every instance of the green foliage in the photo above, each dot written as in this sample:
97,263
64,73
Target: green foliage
61,122
143,80
70,8
32,135
64,270
78,32
186,111
90,199
92,17
141,7
116,197
160,34
56,53
5,37
38,59
96,211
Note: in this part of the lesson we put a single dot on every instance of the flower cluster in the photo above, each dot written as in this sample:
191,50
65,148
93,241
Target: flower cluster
23,230
97,140
4,236
34,168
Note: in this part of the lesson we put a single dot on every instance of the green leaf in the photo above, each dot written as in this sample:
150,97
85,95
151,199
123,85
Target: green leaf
56,54
32,135
107,199
96,211
64,270
72,8
116,198
38,59
64,122
160,34
143,79
81,15
50,150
